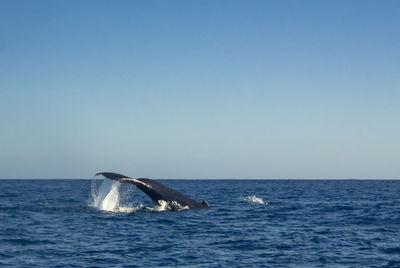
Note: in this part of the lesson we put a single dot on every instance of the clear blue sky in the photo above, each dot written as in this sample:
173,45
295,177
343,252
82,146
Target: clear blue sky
200,89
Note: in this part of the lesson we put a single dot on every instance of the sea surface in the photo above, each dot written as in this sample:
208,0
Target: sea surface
252,223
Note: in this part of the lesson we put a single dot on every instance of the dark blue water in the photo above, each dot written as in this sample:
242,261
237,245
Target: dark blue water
305,223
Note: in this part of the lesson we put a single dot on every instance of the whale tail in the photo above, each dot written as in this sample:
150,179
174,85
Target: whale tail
157,191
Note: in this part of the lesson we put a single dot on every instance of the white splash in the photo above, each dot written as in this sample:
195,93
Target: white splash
167,206
108,198
129,209
252,199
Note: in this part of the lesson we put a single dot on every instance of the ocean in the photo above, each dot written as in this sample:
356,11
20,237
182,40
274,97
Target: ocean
252,223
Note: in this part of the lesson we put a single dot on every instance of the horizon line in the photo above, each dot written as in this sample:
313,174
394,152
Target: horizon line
96,178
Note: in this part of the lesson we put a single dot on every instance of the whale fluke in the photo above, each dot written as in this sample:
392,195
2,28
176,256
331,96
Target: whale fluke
158,192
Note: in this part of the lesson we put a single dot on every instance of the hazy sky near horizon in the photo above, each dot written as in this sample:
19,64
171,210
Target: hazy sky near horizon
200,89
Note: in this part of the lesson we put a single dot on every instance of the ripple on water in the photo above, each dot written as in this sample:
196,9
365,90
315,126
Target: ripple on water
303,224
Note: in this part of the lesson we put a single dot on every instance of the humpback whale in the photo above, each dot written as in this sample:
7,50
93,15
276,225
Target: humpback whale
158,192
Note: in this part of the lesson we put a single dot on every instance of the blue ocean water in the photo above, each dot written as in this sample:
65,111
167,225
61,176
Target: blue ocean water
252,223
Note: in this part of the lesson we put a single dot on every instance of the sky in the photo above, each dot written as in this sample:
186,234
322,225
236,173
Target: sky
200,89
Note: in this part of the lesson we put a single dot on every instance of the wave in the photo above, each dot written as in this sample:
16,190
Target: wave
254,200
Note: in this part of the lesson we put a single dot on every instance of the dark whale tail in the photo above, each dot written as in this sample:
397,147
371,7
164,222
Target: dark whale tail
158,192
